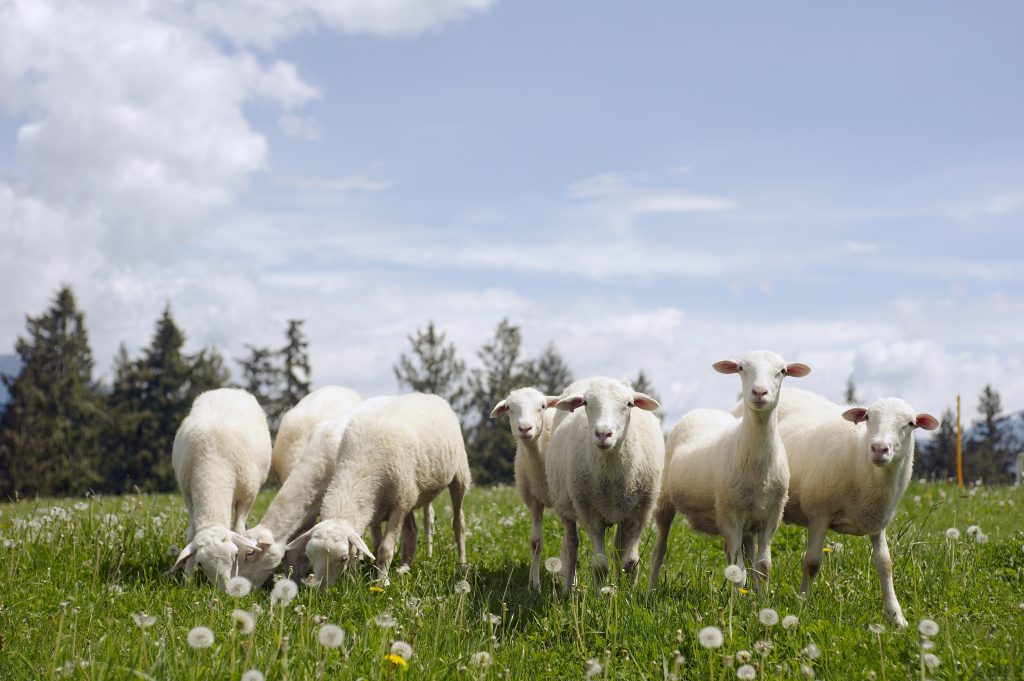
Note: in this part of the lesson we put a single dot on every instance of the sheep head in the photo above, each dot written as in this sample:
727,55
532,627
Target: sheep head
761,373
890,424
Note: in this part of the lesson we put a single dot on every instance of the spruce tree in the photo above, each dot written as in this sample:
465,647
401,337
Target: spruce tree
989,457
260,376
295,372
548,373
937,457
850,395
49,430
433,367
643,384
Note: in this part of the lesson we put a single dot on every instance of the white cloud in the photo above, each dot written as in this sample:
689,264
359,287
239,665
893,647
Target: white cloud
619,192
358,182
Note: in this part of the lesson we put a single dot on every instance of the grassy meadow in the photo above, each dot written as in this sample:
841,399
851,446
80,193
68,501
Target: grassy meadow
76,572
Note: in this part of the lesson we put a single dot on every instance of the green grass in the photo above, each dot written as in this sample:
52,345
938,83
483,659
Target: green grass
73,578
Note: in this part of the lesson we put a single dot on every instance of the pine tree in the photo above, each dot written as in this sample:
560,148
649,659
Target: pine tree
850,396
548,373
434,366
295,372
989,458
260,376
491,450
643,385
49,430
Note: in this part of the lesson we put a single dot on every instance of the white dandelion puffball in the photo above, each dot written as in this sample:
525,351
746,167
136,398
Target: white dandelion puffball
592,668
81,506
238,586
402,649
812,651
403,570
927,644
243,620
768,617
808,670
253,675
743,656
492,619
200,637
609,590
553,564
973,530
385,621
876,629
734,573
284,591
746,673
143,621
930,661
952,534
837,547
763,647
711,637
981,538
462,587
331,636
790,622
482,659
928,627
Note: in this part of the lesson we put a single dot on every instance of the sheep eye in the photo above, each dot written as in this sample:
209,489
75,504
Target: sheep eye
630,405
911,424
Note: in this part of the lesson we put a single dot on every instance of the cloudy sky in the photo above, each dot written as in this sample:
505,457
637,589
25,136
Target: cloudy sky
649,185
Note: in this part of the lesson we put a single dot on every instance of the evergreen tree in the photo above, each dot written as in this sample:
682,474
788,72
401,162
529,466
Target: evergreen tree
491,450
295,372
643,385
49,431
850,396
937,457
433,367
260,375
989,456
548,373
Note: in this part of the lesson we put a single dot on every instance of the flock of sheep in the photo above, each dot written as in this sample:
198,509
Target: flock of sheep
595,454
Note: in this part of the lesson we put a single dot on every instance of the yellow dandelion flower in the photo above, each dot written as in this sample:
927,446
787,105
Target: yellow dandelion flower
827,549
396,660
743,592
376,590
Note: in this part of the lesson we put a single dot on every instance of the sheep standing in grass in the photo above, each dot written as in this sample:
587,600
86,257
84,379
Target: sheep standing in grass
298,423
604,468
531,423
296,505
846,477
390,462
221,456
730,476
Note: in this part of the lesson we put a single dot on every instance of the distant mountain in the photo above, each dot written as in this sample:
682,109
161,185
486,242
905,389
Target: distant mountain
10,365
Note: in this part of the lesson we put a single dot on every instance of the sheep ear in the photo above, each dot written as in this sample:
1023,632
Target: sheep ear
263,545
571,403
358,542
797,370
499,409
926,421
645,402
300,541
183,557
726,366
241,541
856,414
551,400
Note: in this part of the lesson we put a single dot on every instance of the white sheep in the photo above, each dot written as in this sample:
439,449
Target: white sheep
221,456
390,462
847,478
604,468
730,476
293,433
530,421
297,504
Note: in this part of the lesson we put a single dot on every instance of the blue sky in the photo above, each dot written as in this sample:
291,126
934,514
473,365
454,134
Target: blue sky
648,185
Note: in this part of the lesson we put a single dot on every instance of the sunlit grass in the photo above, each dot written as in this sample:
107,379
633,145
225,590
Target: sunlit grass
86,596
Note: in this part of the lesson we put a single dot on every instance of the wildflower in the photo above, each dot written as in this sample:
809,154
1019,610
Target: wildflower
735,574
981,538
492,619
481,660
838,547
743,656
763,647
928,627
553,564
462,587
808,670
257,609
81,506
385,621
876,629
300,610
238,586
253,675
403,569
332,636
743,592
374,589
768,617
973,530
140,533
746,673
143,621
592,668
284,591
952,534
711,637
402,649
790,622
243,620
917,498
396,660
812,651
930,661
827,549
609,590
200,637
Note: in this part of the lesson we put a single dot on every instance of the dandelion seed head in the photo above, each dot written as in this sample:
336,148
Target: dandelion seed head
609,590
808,670
735,574
917,498
790,622
253,675
331,636
876,629
200,637
812,651
981,538
553,564
402,649
838,547
763,647
238,586
492,619
927,644
768,617
143,621
480,660
930,661
973,530
462,587
81,506
928,627
711,637
952,534
592,668
403,570
284,591
243,621
746,673
385,621
743,656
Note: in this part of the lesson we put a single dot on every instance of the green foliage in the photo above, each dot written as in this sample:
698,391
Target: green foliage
76,572
991,450
434,366
548,373
50,428
936,457
260,375
643,385
850,394
295,371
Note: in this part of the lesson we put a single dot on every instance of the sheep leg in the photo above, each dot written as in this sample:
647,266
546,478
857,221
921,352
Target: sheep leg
428,528
536,542
663,519
386,550
409,536
375,536
595,529
457,490
242,507
627,543
883,565
816,530
570,553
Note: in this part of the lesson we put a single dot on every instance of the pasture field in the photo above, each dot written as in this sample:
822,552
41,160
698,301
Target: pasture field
76,571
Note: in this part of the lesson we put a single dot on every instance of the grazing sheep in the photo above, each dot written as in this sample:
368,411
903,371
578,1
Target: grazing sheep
297,504
320,405
221,456
730,476
604,468
847,478
390,461
531,424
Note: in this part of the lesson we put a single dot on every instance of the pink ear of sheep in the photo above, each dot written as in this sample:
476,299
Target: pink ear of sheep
726,366
499,409
856,414
926,421
797,369
645,402
183,557
571,403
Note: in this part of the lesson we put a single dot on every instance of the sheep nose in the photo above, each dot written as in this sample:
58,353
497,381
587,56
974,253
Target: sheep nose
525,430
759,393
879,450
603,433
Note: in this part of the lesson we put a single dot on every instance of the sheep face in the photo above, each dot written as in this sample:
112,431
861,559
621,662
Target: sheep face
525,408
608,404
328,545
213,550
259,563
761,373
890,424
